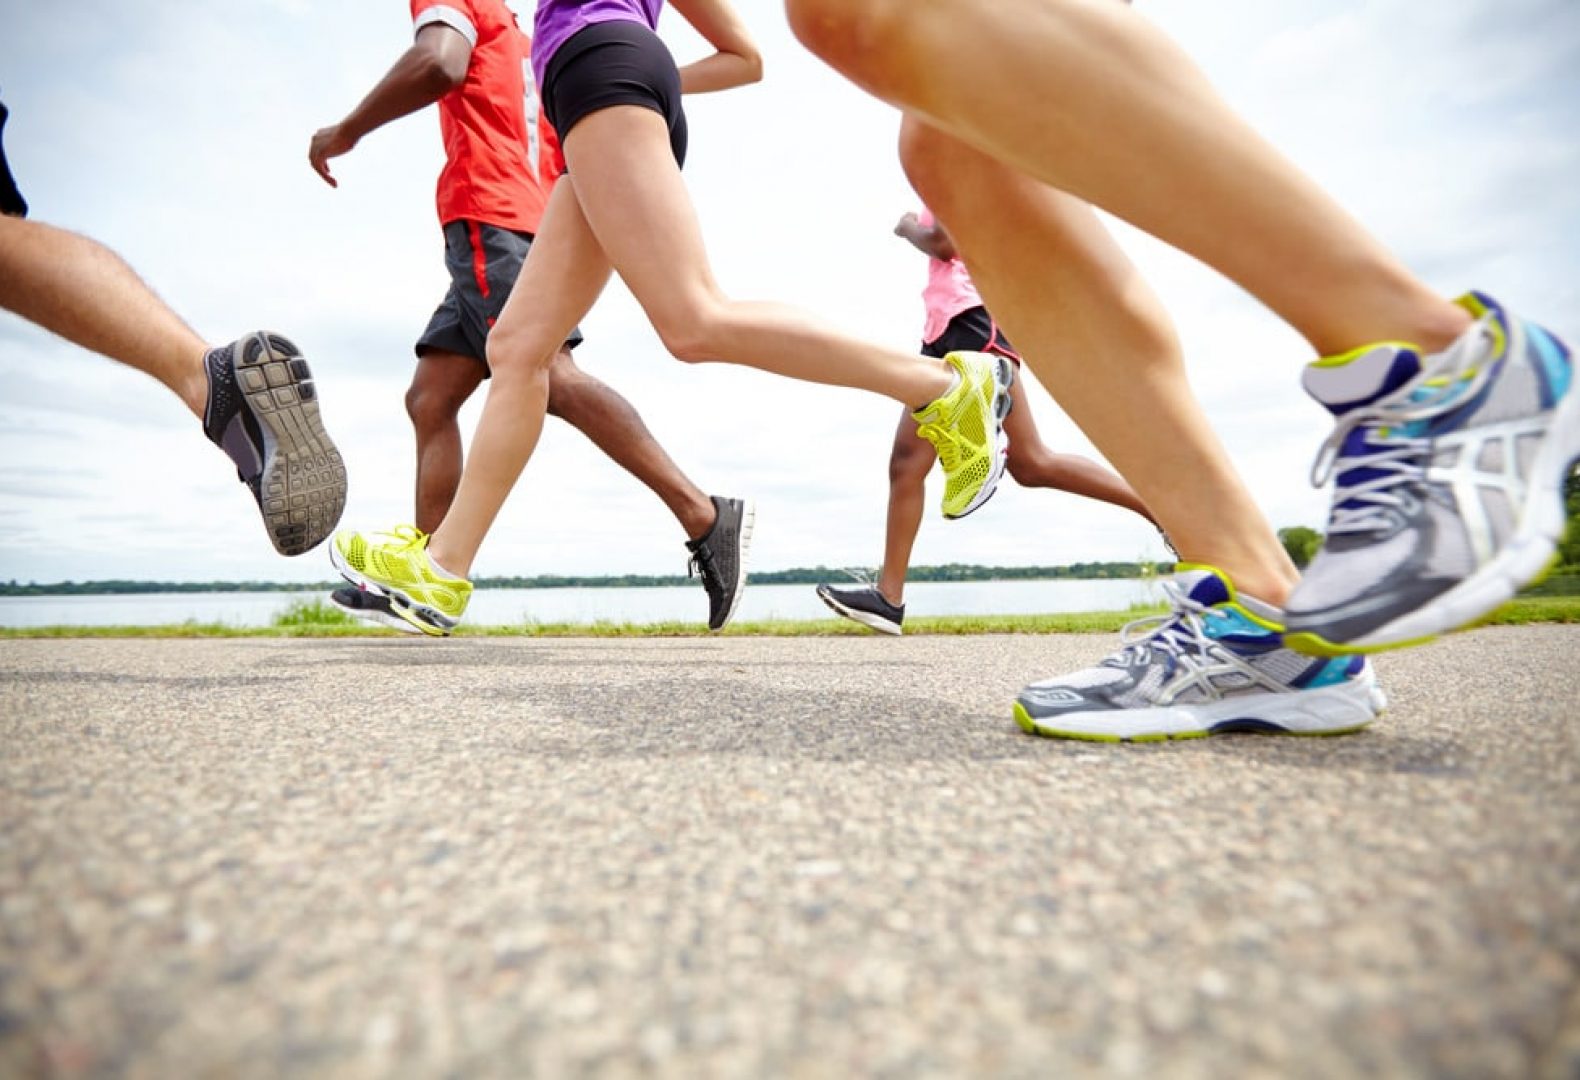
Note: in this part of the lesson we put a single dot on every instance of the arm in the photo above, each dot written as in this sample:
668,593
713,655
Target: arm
434,65
932,240
737,61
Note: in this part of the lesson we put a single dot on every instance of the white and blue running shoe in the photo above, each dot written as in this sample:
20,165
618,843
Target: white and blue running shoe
1213,665
1448,476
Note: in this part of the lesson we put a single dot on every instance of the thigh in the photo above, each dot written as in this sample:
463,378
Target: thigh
636,203
561,278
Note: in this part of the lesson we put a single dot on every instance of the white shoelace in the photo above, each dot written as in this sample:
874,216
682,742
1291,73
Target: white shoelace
1404,460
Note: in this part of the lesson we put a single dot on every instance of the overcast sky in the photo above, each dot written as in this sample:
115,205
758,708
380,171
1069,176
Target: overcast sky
176,132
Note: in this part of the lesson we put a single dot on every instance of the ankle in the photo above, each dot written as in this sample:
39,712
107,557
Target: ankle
697,517
449,564
193,386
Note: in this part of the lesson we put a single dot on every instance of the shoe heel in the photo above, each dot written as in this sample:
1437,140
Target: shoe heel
1005,375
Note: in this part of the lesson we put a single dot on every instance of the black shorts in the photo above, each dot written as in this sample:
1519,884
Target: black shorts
614,63
11,201
483,261
973,330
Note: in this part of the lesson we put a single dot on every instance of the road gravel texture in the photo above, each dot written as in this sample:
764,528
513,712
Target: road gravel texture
777,857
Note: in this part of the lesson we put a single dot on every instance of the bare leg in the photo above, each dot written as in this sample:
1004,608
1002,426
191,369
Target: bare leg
1031,464
602,217
596,410
1099,340
443,382
1091,98
650,233
909,461
562,276
80,289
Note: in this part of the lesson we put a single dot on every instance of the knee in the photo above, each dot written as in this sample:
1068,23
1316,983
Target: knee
1027,465
692,336
846,34
518,351
430,406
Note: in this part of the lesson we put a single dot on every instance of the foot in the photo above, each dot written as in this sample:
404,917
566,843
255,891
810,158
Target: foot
719,558
396,566
263,412
370,606
1212,665
864,604
966,427
1449,472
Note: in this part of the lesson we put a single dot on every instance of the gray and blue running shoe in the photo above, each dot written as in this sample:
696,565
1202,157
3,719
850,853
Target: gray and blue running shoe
1448,476
1215,664
263,412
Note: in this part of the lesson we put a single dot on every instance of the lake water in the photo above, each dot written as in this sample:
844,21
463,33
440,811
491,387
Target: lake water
491,607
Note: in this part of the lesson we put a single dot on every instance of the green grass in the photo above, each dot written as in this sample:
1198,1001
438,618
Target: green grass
318,619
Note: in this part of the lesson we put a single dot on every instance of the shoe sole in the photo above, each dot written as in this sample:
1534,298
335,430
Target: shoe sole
1003,379
302,488
1524,559
425,619
748,522
1331,710
865,618
373,615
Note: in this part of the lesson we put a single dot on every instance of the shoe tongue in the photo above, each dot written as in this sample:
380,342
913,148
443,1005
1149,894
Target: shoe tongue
1205,586
1344,384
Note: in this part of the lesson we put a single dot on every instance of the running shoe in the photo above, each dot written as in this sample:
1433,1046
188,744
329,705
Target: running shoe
396,565
263,412
720,558
1448,483
966,427
1215,663
866,605
370,606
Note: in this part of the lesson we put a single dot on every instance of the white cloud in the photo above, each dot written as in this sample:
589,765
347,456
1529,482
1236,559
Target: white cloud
176,132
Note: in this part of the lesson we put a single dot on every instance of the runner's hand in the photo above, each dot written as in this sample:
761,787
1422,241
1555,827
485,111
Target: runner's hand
327,143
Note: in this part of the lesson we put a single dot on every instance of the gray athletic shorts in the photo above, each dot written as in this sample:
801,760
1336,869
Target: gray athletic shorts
483,261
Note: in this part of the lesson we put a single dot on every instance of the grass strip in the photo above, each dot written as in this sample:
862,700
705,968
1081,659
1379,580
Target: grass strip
316,619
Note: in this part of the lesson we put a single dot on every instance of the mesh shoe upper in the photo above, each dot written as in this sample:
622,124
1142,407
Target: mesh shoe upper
1435,460
864,604
397,565
720,558
1215,662
965,426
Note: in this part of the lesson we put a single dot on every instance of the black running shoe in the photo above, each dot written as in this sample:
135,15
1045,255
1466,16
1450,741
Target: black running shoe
864,604
719,558
263,412
369,605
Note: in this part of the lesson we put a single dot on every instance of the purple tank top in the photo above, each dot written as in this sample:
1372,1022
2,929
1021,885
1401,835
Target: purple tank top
558,20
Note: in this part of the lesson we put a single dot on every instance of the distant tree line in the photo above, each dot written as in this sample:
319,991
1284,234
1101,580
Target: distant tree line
799,576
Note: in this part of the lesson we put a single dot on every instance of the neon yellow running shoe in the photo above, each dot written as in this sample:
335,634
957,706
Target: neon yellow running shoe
396,565
966,427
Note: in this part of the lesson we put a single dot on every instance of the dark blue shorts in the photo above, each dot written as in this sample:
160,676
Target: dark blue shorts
484,261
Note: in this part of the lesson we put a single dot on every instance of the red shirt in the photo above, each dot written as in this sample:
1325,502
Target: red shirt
501,155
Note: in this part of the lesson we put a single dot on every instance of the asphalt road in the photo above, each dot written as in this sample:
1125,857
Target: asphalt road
769,857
